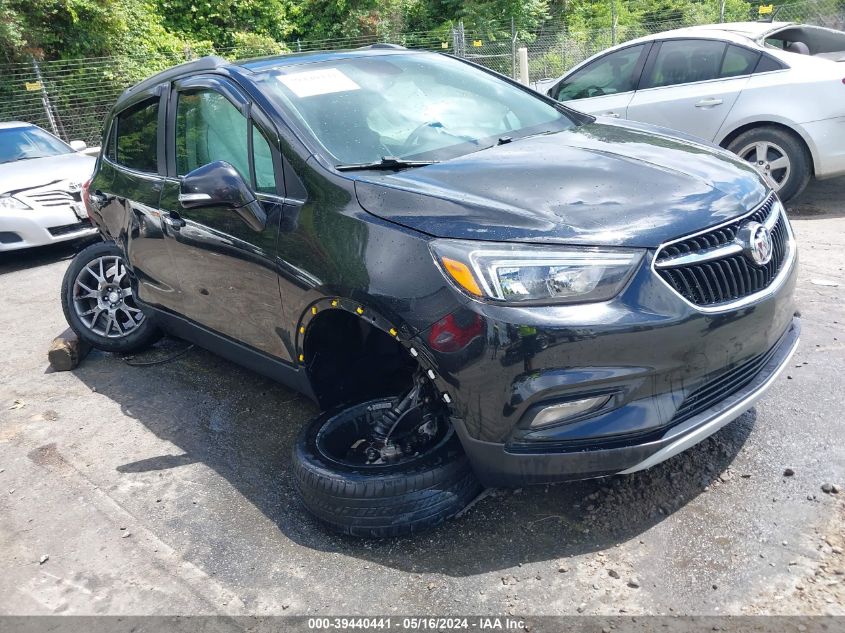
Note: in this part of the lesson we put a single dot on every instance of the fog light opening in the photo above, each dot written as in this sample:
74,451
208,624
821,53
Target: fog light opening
563,411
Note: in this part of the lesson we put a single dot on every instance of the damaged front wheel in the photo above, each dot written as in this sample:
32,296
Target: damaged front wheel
384,467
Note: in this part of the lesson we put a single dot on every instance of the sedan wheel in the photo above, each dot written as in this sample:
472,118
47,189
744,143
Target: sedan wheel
779,155
770,160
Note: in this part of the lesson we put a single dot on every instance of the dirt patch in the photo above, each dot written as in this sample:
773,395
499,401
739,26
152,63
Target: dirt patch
820,590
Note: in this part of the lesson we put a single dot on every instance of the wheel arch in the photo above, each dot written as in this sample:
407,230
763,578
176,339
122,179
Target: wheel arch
789,127
351,351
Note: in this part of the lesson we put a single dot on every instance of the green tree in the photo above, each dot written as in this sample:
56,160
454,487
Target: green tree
219,22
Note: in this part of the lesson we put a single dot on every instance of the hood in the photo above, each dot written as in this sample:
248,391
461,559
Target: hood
596,184
27,174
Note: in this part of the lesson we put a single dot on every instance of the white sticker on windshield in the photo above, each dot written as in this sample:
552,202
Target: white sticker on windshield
310,83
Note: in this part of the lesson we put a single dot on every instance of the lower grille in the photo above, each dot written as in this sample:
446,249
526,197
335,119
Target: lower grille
56,231
719,388
722,278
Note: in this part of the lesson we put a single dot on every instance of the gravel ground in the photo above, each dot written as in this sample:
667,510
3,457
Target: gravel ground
166,489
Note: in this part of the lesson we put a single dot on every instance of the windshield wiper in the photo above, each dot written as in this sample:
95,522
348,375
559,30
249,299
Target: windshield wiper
387,162
22,158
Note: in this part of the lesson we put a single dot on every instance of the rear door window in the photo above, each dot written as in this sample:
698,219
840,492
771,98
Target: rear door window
685,61
136,143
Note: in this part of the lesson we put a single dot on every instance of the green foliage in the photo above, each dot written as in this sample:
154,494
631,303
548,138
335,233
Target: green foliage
12,28
248,45
328,19
495,15
223,22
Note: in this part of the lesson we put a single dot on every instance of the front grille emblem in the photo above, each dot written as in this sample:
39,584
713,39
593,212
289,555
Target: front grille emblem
756,242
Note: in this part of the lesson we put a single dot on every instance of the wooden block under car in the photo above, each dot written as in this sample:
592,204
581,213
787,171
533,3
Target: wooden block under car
67,351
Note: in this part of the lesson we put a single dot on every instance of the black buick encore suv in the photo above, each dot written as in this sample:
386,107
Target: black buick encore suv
479,286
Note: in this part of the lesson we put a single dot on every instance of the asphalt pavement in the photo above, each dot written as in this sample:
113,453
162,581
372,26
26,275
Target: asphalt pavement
166,488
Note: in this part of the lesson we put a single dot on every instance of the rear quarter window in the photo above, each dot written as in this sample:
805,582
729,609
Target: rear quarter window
739,61
768,64
136,137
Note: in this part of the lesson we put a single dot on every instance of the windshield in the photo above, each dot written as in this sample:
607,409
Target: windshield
22,143
412,107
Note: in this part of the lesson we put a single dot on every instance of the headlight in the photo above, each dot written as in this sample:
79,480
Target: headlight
515,273
10,203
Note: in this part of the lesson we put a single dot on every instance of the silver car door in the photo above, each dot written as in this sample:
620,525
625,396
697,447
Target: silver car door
691,85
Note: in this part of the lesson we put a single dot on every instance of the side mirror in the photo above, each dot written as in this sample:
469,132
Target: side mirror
218,184
78,146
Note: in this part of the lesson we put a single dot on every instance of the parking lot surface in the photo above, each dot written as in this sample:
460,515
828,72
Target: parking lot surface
165,488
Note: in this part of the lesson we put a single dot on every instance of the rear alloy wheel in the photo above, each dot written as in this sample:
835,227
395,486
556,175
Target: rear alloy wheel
99,303
779,156
383,468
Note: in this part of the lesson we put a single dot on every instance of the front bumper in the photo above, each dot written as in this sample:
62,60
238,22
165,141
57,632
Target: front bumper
673,373
41,226
496,465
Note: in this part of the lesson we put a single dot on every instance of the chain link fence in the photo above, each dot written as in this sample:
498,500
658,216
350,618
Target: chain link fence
72,97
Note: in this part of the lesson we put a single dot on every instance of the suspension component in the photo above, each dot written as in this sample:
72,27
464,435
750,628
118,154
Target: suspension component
407,405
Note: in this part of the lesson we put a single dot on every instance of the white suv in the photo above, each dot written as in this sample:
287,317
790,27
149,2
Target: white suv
774,93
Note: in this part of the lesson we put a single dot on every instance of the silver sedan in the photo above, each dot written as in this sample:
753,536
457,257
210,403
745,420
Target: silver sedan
41,181
771,92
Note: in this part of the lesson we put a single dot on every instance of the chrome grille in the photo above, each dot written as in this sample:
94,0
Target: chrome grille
55,198
711,269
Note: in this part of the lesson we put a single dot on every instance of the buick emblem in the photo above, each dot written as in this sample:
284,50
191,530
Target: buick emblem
756,243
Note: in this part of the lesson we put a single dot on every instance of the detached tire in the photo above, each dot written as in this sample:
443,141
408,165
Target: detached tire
99,303
381,500
779,154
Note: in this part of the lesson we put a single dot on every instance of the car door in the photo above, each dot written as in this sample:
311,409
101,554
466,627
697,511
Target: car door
126,192
605,86
691,85
226,265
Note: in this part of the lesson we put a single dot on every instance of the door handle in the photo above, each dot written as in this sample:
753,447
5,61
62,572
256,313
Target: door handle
708,103
173,220
611,114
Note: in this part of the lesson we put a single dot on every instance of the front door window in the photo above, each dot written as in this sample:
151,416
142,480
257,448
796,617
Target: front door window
210,128
612,74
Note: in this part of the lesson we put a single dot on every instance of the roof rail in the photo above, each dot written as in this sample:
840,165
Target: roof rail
384,45
209,62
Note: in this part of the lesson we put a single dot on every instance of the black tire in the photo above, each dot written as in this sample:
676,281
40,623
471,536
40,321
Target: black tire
382,501
780,141
142,334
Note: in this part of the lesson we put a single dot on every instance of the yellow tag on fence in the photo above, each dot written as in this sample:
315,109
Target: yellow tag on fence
32,86
763,9
476,43
444,44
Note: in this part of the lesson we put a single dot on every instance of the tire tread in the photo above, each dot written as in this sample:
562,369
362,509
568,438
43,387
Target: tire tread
376,504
